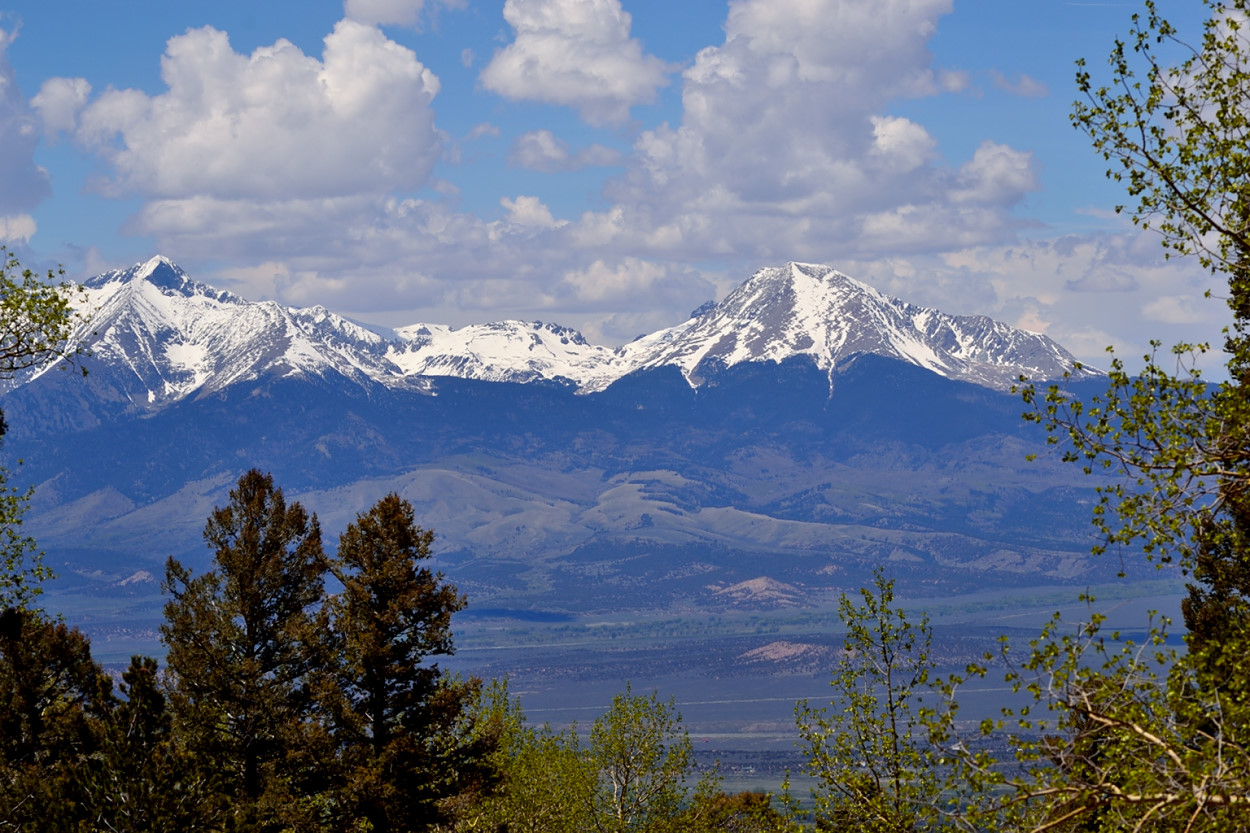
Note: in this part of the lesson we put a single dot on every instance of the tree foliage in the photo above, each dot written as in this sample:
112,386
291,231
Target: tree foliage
641,759
305,711
541,770
400,725
22,570
145,778
1114,735
37,319
1153,435
634,772
54,706
241,644
1176,134
869,749
1148,737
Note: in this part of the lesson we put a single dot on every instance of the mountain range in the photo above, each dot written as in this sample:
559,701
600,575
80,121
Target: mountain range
766,452
159,336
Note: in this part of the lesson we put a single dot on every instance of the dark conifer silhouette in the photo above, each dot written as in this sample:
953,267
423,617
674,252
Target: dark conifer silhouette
54,706
401,725
240,647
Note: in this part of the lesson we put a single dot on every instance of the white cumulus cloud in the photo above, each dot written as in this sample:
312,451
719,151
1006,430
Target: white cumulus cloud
785,147
1088,291
18,228
575,53
996,175
901,143
602,281
59,102
541,150
23,184
1177,309
276,124
392,12
528,211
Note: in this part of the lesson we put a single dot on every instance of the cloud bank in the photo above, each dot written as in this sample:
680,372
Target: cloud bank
276,124
327,179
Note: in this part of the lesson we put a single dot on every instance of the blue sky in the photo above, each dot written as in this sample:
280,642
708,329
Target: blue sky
606,164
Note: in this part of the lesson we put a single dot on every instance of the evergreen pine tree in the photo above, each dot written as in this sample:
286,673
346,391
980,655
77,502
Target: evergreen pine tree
402,727
240,648
145,780
1217,606
54,707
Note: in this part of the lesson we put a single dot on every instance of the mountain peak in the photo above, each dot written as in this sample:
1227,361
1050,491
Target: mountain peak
156,269
163,274
807,309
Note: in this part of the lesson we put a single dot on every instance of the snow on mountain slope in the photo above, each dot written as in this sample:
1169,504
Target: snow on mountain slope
156,336
506,351
806,309
160,336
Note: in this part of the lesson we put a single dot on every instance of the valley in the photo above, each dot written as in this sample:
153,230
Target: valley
687,527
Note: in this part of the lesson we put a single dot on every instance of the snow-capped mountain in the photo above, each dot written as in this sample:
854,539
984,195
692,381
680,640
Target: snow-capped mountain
817,311
159,336
162,336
